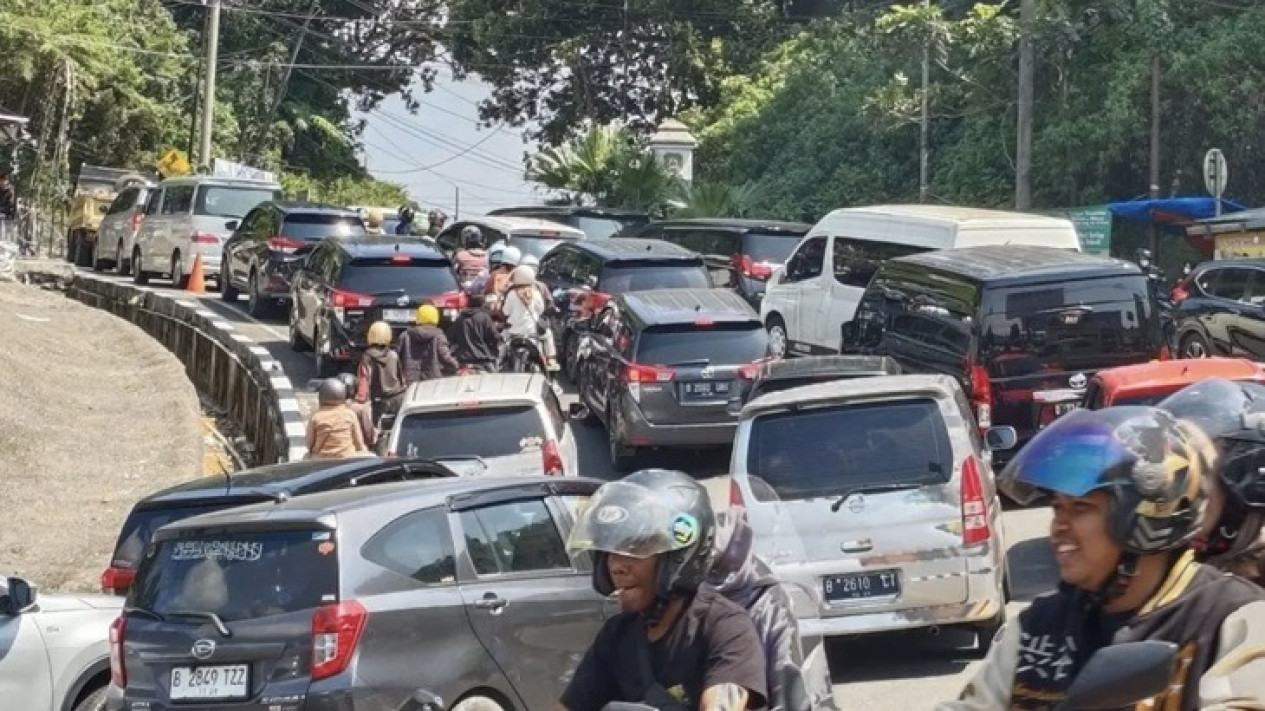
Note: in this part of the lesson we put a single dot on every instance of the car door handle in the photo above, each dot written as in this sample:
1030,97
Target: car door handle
491,601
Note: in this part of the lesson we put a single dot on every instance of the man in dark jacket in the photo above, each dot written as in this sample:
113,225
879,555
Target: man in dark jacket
8,198
424,348
475,340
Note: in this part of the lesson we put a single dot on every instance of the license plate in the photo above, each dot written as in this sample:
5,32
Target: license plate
695,392
861,586
399,315
219,682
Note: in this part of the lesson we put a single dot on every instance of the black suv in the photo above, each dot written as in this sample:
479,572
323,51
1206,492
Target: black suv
275,482
594,222
1023,328
1219,310
783,374
749,249
658,368
346,285
584,275
269,244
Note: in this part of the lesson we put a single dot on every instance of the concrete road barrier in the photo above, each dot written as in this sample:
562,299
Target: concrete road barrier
224,365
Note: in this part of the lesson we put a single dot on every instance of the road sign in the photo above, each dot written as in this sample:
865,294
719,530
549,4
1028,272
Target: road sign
1215,175
174,162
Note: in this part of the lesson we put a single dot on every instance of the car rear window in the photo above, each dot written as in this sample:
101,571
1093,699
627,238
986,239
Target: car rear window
603,227
473,431
382,276
1072,325
317,227
827,451
230,201
773,247
535,245
240,575
625,276
720,344
138,529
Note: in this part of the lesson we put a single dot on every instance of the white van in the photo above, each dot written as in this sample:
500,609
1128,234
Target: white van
805,306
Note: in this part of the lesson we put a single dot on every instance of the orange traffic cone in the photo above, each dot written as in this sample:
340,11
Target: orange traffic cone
197,282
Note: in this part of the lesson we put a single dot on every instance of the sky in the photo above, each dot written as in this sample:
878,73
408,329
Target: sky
441,154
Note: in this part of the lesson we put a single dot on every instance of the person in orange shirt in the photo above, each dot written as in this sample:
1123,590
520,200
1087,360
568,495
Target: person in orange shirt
333,431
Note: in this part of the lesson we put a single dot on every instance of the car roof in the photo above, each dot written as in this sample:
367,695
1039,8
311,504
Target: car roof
215,180
457,389
320,507
903,386
828,365
687,306
274,479
563,210
629,248
1018,263
1157,374
373,246
950,215
737,225
509,223
314,207
1219,263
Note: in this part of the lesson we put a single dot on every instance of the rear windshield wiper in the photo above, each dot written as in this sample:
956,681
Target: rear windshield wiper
389,291
210,616
932,468
692,361
144,613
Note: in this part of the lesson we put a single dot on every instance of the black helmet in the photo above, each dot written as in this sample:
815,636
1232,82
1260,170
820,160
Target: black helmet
332,392
653,512
406,213
471,237
1233,415
1151,464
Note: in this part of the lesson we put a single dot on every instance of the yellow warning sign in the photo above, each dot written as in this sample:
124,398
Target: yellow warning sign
1240,245
174,162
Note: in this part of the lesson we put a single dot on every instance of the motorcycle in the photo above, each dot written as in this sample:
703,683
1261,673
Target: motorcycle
524,354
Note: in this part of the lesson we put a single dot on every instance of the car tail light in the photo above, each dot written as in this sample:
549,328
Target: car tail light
116,580
450,300
285,245
975,528
336,631
349,300
553,460
135,223
735,495
981,395
750,371
398,258
750,269
118,634
635,375
204,238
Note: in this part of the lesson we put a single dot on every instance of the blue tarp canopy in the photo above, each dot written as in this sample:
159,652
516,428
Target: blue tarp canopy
1169,211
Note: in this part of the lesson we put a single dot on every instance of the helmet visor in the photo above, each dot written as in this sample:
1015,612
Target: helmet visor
1216,405
1068,459
628,519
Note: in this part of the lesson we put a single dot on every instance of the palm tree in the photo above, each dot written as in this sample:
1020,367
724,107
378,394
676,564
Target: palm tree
710,199
584,167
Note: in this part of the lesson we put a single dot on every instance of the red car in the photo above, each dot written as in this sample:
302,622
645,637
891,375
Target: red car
1149,383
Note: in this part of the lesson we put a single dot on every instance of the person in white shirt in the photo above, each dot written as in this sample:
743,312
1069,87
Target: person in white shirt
524,308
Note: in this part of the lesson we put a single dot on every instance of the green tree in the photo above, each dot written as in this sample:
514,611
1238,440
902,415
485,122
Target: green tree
607,166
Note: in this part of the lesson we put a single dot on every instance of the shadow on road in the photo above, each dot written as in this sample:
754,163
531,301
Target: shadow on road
903,655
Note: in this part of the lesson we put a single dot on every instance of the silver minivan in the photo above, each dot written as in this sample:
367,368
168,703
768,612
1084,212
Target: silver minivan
877,494
191,216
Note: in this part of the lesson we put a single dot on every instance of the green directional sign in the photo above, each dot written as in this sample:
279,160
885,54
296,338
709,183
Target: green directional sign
1093,226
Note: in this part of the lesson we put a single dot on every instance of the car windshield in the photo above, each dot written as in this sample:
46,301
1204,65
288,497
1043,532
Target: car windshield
381,276
231,201
316,226
719,344
471,431
1073,325
239,575
622,277
138,529
827,451
770,247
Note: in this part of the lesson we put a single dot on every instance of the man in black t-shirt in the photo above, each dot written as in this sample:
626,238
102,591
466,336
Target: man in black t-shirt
673,647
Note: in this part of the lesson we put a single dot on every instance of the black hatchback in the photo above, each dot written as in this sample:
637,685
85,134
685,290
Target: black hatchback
345,286
274,482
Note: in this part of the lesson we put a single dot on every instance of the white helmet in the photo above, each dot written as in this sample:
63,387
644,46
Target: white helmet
530,261
512,256
523,276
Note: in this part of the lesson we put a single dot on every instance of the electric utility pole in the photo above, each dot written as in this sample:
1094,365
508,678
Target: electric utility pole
923,155
212,60
1154,190
1023,151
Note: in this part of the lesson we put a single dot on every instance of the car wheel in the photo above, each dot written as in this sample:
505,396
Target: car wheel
570,349
477,703
623,456
122,264
228,292
256,303
1195,346
98,264
94,701
140,277
777,336
179,279
326,367
297,342
986,632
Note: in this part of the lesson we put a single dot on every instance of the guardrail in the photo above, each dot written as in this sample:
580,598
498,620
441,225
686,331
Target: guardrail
224,365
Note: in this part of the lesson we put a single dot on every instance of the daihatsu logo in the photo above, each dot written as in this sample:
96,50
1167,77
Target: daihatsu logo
1077,381
203,649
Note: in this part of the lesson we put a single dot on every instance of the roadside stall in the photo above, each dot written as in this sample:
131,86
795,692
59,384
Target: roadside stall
1240,235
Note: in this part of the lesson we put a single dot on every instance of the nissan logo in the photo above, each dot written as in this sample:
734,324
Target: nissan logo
1077,381
203,649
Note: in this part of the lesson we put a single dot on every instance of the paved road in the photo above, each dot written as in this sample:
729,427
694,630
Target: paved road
880,673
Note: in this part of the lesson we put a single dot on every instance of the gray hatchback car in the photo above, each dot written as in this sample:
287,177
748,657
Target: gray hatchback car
363,599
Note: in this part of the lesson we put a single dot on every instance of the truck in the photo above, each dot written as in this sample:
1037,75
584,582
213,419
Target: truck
95,188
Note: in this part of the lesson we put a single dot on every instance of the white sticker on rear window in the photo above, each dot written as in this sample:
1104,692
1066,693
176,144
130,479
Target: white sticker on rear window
247,551
321,536
530,443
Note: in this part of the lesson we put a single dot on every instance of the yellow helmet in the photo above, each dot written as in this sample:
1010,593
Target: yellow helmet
427,315
380,334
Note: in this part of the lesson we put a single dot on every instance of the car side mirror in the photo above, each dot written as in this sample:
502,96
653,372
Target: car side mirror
231,225
21,596
1122,675
1001,438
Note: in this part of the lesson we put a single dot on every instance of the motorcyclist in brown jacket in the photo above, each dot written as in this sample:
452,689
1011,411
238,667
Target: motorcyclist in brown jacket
380,377
424,350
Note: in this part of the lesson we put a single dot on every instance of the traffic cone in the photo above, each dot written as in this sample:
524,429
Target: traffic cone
197,282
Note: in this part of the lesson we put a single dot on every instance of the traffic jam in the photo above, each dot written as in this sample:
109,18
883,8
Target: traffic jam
869,374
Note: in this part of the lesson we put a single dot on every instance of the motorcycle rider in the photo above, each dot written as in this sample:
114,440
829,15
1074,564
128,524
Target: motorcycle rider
373,222
524,311
362,410
1128,492
406,226
471,260
333,431
476,342
435,223
674,645
498,281
380,377
424,352
1233,414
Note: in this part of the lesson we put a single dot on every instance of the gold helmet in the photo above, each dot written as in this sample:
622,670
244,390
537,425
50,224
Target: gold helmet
380,334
